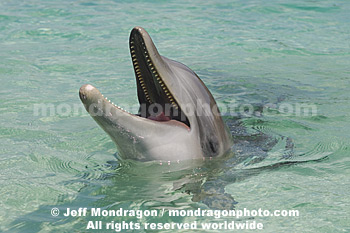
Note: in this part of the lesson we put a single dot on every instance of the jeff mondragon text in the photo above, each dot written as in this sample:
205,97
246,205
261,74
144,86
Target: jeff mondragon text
98,212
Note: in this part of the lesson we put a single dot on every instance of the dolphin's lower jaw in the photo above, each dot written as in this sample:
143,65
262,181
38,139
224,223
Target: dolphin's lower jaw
161,130
137,137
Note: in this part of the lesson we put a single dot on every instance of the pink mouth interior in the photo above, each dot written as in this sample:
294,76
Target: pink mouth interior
160,117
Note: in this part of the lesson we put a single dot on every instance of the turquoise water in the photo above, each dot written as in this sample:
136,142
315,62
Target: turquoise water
262,53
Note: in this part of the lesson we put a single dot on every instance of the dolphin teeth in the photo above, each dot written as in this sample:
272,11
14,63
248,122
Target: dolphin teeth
132,47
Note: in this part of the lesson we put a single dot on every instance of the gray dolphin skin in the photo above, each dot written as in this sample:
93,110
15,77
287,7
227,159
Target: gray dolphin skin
178,117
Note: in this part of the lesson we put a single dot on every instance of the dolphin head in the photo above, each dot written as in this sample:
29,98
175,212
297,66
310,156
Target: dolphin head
178,117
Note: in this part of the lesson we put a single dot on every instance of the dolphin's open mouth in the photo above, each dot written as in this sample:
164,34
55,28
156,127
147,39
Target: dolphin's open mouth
156,100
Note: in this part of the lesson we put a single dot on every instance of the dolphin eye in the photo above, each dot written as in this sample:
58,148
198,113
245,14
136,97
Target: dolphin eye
213,146
210,146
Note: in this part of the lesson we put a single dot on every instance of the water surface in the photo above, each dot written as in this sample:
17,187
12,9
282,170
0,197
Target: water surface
262,53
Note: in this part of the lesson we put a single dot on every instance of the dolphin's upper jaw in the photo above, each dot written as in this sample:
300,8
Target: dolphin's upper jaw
156,100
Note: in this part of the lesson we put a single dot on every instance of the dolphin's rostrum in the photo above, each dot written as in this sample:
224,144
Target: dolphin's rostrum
178,117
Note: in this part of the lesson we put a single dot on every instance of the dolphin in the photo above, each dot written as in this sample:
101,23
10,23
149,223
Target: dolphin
178,118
